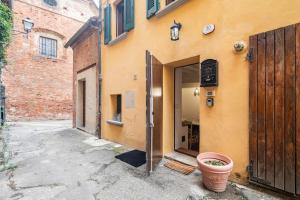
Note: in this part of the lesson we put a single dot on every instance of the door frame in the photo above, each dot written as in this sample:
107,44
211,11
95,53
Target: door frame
174,125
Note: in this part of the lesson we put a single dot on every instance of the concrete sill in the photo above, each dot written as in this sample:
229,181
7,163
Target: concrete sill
53,59
118,39
170,7
115,122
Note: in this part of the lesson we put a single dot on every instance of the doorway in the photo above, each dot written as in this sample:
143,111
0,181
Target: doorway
187,110
86,100
82,102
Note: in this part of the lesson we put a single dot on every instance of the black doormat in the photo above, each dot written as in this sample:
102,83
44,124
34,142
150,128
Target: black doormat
135,158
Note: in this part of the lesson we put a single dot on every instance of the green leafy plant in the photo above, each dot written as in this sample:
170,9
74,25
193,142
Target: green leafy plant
215,162
6,25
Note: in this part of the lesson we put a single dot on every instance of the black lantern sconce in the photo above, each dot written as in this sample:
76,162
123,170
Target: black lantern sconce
175,28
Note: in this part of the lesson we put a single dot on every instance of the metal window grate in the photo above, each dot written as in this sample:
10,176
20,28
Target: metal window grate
48,47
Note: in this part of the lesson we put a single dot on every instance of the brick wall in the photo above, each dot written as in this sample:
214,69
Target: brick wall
38,87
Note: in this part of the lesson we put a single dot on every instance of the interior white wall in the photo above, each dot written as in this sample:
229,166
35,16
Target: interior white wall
190,103
179,129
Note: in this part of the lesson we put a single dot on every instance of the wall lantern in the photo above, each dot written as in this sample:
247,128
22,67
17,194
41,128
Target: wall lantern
175,28
28,24
196,92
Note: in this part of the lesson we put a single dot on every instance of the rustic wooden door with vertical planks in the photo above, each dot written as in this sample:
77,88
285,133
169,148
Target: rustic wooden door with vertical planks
274,108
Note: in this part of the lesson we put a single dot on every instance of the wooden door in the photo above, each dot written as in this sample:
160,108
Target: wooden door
154,111
274,108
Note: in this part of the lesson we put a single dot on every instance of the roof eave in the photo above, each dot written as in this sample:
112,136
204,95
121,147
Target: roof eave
91,23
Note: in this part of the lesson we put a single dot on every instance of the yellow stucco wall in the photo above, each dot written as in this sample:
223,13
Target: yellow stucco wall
224,128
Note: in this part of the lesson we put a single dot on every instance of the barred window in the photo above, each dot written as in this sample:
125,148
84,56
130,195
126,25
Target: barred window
51,2
48,47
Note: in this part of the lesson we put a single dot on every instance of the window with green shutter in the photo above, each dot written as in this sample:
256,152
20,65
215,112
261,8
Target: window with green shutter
107,24
128,15
152,7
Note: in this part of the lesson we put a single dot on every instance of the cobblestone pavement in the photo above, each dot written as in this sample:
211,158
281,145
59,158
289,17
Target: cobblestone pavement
55,162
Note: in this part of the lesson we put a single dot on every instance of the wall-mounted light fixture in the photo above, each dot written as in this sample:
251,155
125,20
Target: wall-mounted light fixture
196,92
239,46
175,28
27,25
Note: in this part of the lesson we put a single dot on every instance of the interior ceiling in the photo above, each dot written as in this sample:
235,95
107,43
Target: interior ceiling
190,74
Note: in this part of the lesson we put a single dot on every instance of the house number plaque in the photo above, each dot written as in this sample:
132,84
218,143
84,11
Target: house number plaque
209,73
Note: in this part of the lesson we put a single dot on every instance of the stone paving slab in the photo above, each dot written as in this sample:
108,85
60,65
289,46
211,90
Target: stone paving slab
56,162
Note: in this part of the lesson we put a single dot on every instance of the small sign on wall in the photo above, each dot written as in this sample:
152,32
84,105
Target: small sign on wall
130,99
209,73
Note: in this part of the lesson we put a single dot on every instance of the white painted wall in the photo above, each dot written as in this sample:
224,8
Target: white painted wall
190,103
187,107
179,129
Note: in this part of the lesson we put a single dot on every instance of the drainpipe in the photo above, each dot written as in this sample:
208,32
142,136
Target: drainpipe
99,70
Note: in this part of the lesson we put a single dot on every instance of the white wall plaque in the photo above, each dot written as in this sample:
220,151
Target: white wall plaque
209,28
130,99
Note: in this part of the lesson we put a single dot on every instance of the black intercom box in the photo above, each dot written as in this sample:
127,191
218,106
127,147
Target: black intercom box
209,73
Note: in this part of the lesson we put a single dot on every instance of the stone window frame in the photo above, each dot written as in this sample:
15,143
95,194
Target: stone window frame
61,52
169,7
44,42
54,8
49,3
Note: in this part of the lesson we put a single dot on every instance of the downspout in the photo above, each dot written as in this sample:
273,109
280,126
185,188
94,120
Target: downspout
99,70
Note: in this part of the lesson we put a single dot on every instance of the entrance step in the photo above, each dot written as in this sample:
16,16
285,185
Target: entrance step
179,167
188,152
182,158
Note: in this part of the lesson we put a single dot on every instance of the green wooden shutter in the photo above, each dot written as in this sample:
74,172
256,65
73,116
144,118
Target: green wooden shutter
107,24
128,15
152,7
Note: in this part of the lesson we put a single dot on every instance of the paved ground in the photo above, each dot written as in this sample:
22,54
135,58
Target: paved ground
55,162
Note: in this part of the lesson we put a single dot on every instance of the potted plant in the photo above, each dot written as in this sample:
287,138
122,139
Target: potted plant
215,170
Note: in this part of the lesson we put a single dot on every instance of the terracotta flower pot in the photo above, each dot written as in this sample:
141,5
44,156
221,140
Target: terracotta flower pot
215,176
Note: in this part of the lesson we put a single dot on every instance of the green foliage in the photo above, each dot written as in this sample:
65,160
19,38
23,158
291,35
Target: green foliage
6,25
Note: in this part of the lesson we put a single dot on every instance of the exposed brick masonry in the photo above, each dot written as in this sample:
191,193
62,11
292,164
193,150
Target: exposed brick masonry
39,87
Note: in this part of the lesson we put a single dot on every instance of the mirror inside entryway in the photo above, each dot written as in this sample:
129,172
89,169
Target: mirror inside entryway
187,110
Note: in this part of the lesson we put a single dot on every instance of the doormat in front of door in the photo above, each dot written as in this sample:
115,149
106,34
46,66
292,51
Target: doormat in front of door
135,158
179,167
